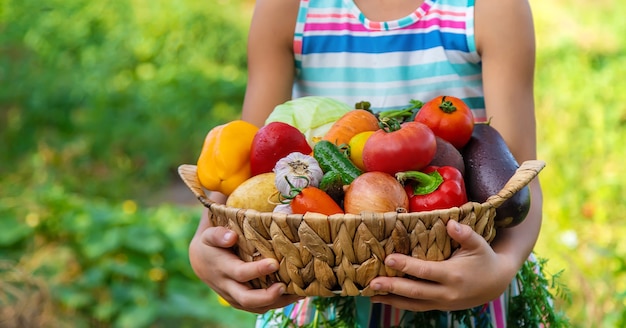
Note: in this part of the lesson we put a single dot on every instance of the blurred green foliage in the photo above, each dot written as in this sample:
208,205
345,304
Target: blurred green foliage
118,90
101,101
581,113
106,263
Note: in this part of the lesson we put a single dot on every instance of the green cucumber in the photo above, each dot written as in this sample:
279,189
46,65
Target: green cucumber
331,180
331,158
332,184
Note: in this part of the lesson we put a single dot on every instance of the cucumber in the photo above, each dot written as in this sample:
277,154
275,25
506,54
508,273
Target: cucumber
331,180
331,158
332,184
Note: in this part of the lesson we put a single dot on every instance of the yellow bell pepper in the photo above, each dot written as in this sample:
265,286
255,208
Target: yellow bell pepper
224,161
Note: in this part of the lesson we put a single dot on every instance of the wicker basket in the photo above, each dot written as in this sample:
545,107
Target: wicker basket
323,255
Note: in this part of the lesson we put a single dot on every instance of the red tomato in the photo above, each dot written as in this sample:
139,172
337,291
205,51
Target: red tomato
410,148
273,142
450,119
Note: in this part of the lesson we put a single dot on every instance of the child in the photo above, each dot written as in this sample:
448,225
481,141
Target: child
388,52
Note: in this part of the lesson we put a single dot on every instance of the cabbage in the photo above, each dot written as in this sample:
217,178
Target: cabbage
312,115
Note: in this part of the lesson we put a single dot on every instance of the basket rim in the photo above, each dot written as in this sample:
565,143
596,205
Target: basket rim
526,172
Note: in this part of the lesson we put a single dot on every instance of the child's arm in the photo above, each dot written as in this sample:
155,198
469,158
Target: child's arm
478,273
270,79
270,58
508,75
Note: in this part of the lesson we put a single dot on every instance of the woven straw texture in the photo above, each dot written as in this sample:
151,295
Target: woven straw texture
323,255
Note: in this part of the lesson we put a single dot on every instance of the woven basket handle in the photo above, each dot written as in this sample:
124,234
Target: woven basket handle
524,174
188,173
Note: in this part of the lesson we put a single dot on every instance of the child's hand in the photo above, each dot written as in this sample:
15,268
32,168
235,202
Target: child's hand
227,275
474,275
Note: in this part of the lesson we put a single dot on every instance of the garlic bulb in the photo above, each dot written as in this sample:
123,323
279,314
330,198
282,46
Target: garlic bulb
283,208
297,171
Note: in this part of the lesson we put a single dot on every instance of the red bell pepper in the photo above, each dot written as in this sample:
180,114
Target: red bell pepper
433,188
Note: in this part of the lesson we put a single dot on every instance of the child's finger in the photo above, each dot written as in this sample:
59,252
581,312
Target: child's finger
427,270
219,237
465,236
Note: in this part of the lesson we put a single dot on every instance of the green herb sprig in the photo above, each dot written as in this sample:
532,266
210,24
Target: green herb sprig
343,307
535,303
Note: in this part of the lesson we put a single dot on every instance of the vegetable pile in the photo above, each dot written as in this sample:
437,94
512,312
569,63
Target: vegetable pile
315,154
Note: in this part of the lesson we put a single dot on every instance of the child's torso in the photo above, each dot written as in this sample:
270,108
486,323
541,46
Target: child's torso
341,53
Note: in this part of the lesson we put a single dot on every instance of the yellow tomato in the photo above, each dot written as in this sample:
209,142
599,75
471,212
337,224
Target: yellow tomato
356,148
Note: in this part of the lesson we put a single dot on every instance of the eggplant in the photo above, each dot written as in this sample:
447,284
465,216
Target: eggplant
489,164
448,155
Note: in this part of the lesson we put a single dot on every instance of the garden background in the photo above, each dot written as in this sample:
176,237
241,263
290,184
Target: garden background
100,101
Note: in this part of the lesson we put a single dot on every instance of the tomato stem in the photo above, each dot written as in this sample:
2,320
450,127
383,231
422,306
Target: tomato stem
389,124
447,106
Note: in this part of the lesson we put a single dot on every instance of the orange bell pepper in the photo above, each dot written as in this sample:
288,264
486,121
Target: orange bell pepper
224,161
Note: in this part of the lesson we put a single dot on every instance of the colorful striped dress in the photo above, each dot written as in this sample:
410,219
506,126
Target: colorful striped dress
340,53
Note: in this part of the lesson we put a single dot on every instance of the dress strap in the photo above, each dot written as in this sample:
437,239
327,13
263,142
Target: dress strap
392,24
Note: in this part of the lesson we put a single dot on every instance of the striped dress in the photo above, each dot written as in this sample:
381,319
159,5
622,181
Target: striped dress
340,53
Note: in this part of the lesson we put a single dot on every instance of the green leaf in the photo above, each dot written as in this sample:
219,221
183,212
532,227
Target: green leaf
12,230
137,316
73,297
96,243
105,311
126,266
93,278
144,239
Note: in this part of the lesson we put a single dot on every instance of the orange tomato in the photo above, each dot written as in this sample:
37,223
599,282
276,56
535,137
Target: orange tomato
356,148
312,199
449,118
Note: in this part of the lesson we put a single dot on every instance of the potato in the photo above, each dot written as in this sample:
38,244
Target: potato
258,192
